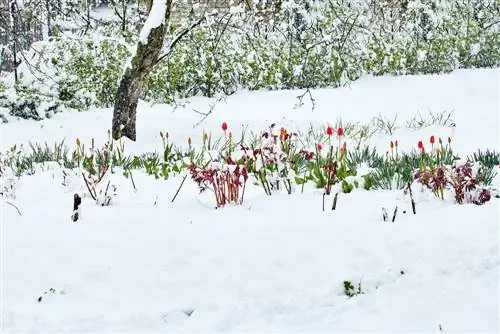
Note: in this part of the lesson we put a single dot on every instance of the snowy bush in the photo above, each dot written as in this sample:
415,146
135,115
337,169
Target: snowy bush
28,104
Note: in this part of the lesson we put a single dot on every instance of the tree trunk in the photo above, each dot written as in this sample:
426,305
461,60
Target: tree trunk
129,90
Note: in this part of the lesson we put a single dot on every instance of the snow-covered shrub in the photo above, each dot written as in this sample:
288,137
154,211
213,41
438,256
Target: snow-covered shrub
434,37
86,70
305,44
28,103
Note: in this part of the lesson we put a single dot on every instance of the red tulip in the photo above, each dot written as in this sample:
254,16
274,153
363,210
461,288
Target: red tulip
329,131
224,126
319,147
420,144
340,132
432,139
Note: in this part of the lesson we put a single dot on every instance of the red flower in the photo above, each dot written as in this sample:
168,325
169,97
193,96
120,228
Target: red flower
319,147
329,131
420,144
224,126
433,140
283,134
340,132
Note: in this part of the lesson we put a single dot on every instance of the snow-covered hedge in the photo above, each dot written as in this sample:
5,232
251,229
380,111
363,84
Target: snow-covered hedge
305,45
27,104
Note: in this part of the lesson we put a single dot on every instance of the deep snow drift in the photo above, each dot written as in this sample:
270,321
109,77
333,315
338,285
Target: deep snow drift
274,264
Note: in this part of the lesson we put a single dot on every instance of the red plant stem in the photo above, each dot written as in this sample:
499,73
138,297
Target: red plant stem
229,188
88,187
338,151
224,192
221,191
216,191
243,191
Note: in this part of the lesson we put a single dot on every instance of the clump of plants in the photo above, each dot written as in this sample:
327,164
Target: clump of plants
396,169
461,180
227,182
277,160
351,290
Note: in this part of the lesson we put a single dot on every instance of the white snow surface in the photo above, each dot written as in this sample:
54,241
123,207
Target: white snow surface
155,18
275,264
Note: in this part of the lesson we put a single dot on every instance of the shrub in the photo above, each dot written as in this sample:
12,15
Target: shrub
305,45
28,103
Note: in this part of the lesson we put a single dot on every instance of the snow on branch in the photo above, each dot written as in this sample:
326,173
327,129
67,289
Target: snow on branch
155,19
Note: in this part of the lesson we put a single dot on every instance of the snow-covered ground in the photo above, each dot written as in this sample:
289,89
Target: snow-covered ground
275,264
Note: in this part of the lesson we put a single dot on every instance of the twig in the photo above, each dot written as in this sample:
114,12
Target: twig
106,192
413,205
132,179
394,215
334,205
88,187
178,189
208,113
301,97
12,204
385,216
178,38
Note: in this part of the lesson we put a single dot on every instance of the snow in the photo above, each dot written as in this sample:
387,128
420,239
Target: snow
471,95
275,264
155,18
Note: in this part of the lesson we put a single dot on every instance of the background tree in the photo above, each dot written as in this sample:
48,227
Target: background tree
147,55
148,51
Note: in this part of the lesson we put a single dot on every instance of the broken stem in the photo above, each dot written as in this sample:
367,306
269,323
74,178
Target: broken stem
15,207
88,187
179,189
334,205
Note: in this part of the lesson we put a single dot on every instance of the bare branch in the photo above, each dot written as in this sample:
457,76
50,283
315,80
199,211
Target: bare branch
178,38
12,204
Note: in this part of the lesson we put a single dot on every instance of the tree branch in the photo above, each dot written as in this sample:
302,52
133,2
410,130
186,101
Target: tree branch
178,38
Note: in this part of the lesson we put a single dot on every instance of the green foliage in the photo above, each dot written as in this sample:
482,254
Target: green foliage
486,174
93,67
352,291
486,158
327,44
